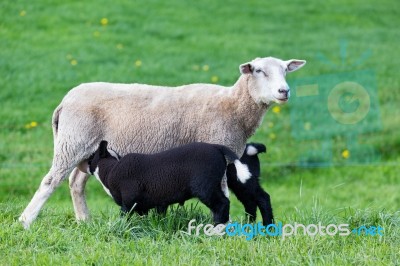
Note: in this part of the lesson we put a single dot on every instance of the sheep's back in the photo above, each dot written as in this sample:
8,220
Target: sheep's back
148,119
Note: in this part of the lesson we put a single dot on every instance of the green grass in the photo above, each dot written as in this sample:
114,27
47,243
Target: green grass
174,40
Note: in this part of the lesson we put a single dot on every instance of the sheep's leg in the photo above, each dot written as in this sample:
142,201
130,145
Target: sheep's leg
224,186
77,183
264,203
49,183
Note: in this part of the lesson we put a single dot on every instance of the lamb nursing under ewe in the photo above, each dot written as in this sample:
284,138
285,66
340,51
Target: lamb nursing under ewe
249,193
139,182
148,119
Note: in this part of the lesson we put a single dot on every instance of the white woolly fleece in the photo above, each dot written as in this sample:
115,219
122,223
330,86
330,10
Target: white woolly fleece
242,171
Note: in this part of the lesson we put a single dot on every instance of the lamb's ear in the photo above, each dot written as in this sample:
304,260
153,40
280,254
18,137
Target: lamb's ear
114,154
260,147
103,149
255,148
294,64
246,68
251,150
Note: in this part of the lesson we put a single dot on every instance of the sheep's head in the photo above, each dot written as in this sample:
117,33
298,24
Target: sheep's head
268,78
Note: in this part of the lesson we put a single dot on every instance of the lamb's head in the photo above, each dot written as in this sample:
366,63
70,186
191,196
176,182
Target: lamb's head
267,82
102,153
250,157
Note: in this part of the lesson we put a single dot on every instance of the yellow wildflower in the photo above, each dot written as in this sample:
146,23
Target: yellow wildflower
272,136
104,21
138,63
22,13
74,62
345,153
214,79
276,109
206,68
31,125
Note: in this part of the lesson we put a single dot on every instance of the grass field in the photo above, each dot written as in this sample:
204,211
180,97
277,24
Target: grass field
48,47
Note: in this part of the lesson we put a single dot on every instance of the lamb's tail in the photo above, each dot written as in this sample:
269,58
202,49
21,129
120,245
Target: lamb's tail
242,171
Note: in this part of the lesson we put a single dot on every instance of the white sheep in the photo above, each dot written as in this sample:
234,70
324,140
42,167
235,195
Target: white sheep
148,119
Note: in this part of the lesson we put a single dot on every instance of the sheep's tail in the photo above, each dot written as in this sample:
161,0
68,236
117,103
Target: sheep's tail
242,171
55,121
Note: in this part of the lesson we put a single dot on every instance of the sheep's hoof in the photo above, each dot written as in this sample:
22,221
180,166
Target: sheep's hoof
24,222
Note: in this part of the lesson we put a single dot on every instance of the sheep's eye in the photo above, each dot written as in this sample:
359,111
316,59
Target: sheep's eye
261,71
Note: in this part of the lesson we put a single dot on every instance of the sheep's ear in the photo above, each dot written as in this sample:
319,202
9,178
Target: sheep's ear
246,68
103,149
294,64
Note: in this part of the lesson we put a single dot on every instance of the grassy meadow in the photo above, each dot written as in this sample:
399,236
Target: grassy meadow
48,47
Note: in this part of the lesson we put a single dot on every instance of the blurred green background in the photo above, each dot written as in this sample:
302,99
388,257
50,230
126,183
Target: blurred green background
48,47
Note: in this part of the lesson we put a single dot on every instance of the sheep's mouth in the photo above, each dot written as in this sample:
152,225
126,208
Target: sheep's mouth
282,100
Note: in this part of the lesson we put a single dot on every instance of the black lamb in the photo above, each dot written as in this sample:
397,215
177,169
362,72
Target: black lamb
139,182
251,194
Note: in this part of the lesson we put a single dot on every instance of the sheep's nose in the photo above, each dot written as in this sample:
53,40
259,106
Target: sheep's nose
285,92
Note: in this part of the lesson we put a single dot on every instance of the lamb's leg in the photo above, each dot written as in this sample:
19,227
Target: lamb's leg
141,211
162,210
49,183
250,207
77,183
221,211
249,204
218,204
264,203
124,210
247,199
